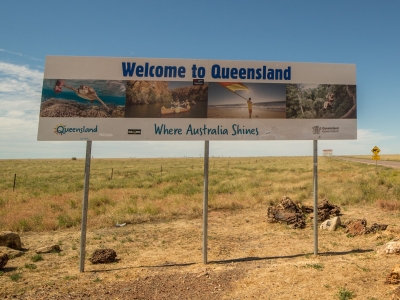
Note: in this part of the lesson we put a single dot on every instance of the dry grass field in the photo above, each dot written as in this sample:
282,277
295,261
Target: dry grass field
160,248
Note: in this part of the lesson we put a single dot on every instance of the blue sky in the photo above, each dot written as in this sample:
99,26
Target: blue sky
364,33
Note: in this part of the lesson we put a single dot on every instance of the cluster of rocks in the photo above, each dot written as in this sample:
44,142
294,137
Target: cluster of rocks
359,227
295,214
11,246
326,210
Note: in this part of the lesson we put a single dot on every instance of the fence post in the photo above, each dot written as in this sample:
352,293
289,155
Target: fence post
15,180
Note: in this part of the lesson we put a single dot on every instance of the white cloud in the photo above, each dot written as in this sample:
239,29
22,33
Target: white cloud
20,72
20,92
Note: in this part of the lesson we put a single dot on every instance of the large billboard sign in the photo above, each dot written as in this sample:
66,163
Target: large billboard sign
136,99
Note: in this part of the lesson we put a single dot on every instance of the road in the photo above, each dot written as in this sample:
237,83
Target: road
383,163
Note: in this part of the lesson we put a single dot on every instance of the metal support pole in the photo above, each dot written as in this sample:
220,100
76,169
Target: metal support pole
85,206
205,201
315,175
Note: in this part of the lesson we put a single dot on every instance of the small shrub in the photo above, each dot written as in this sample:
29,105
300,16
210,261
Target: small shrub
2,202
318,267
100,201
151,210
30,266
15,276
344,294
73,204
56,208
65,221
23,225
36,258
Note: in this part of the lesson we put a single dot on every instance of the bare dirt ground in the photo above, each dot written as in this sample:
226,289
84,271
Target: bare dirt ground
248,258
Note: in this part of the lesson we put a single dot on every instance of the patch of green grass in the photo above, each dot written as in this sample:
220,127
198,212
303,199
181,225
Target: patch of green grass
70,277
30,266
100,201
73,204
3,202
318,267
344,294
66,221
97,280
36,258
363,268
151,210
15,276
138,192
24,225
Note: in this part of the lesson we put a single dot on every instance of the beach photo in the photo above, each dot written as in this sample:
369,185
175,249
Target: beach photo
83,98
163,99
322,101
234,100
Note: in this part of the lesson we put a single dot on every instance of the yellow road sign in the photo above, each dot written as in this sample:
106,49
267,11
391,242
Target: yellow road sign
376,150
376,157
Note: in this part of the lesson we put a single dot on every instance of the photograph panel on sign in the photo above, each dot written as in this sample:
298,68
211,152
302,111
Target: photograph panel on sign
235,100
321,101
163,99
83,98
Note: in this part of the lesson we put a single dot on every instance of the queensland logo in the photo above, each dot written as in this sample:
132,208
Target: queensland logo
63,129
316,129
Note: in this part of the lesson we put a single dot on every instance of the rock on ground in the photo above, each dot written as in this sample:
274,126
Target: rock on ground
12,253
10,239
102,256
394,276
3,260
392,247
48,249
331,224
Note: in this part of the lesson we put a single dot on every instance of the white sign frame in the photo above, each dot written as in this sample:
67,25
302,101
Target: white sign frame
266,122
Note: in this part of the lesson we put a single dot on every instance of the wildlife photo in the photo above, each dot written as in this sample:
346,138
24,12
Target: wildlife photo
83,98
323,101
156,99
